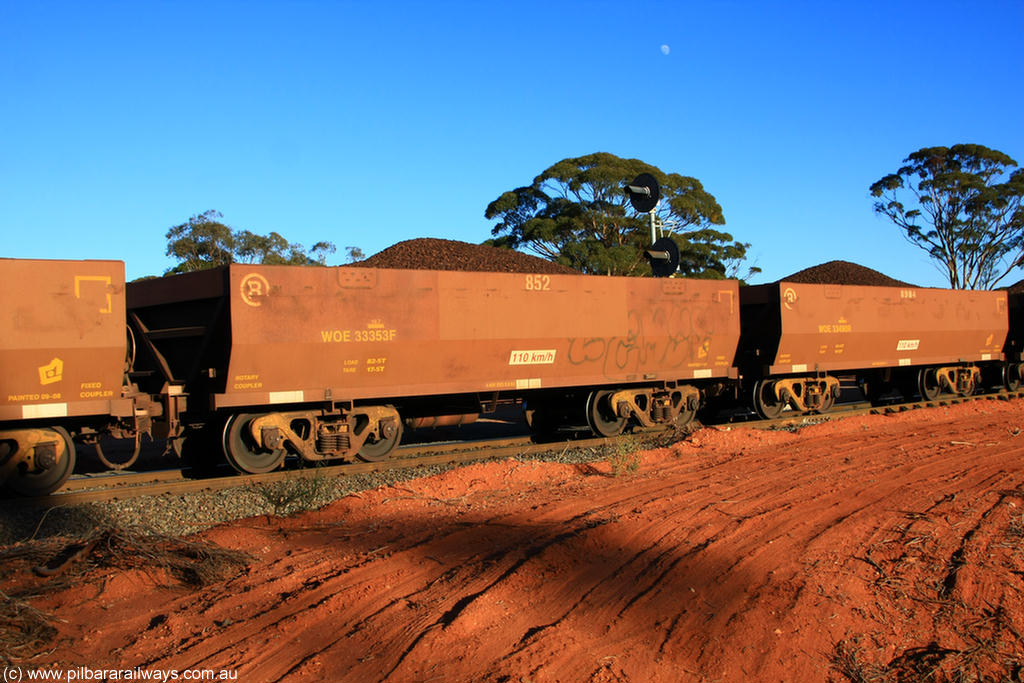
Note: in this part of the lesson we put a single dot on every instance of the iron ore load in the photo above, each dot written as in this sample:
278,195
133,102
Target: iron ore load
257,364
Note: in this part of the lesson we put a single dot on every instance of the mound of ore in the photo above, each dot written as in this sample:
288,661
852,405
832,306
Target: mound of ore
429,253
1016,288
843,273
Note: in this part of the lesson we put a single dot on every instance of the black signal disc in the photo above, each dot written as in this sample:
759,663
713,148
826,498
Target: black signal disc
664,257
646,199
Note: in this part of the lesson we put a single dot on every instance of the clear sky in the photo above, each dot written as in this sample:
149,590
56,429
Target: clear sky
367,123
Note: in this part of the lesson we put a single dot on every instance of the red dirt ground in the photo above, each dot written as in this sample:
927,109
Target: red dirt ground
883,547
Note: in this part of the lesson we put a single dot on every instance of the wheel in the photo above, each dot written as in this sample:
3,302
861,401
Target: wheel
243,454
928,384
827,401
120,453
44,481
601,415
376,448
685,417
1011,376
687,412
765,403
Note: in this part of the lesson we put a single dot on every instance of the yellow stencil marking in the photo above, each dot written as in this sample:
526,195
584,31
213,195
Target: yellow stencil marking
105,279
253,288
52,372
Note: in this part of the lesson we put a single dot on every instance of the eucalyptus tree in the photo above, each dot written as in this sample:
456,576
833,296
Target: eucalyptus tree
577,213
204,241
962,205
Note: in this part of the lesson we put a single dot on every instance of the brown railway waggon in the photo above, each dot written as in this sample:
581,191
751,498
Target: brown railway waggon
333,363
63,361
799,339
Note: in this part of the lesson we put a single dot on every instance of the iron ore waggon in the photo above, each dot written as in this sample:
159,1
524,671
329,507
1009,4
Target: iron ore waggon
333,363
798,339
63,359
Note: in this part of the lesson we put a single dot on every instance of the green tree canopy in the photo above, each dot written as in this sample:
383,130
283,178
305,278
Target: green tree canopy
577,213
206,242
963,208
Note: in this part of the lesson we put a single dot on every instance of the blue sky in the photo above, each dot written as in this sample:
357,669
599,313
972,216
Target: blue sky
365,124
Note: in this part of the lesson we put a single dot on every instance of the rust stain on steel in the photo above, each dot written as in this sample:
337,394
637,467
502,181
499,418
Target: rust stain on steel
63,348
298,333
808,327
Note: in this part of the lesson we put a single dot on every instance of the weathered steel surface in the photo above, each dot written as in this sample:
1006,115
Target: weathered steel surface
301,334
62,351
798,328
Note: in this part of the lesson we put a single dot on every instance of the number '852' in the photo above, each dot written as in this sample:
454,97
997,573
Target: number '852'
538,283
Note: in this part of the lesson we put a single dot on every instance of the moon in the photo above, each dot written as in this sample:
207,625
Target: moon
665,49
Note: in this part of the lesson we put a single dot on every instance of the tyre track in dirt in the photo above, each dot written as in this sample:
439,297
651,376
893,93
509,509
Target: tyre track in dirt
733,556
833,520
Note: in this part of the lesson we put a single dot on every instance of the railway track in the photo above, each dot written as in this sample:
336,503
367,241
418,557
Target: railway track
123,485
108,487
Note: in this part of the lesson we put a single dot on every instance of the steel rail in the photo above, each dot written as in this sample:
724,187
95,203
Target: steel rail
144,485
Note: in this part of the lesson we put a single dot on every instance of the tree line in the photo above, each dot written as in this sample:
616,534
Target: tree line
204,241
961,204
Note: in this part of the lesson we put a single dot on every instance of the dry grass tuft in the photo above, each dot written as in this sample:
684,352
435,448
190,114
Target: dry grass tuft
624,457
193,563
63,562
24,630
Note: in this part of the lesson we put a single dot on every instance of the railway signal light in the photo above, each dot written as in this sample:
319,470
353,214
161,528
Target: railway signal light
644,193
664,257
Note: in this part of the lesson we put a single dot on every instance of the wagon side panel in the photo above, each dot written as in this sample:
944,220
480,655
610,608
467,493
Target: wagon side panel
305,334
62,353
840,327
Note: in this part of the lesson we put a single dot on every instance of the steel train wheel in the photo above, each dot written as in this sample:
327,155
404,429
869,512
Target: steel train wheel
685,416
1011,376
928,384
601,415
765,403
245,455
42,482
376,450
826,404
688,409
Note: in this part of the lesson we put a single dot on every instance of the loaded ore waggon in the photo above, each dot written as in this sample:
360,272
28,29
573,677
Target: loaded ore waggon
332,363
255,364
63,359
799,338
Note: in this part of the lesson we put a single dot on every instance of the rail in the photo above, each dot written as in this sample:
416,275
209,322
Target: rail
124,485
